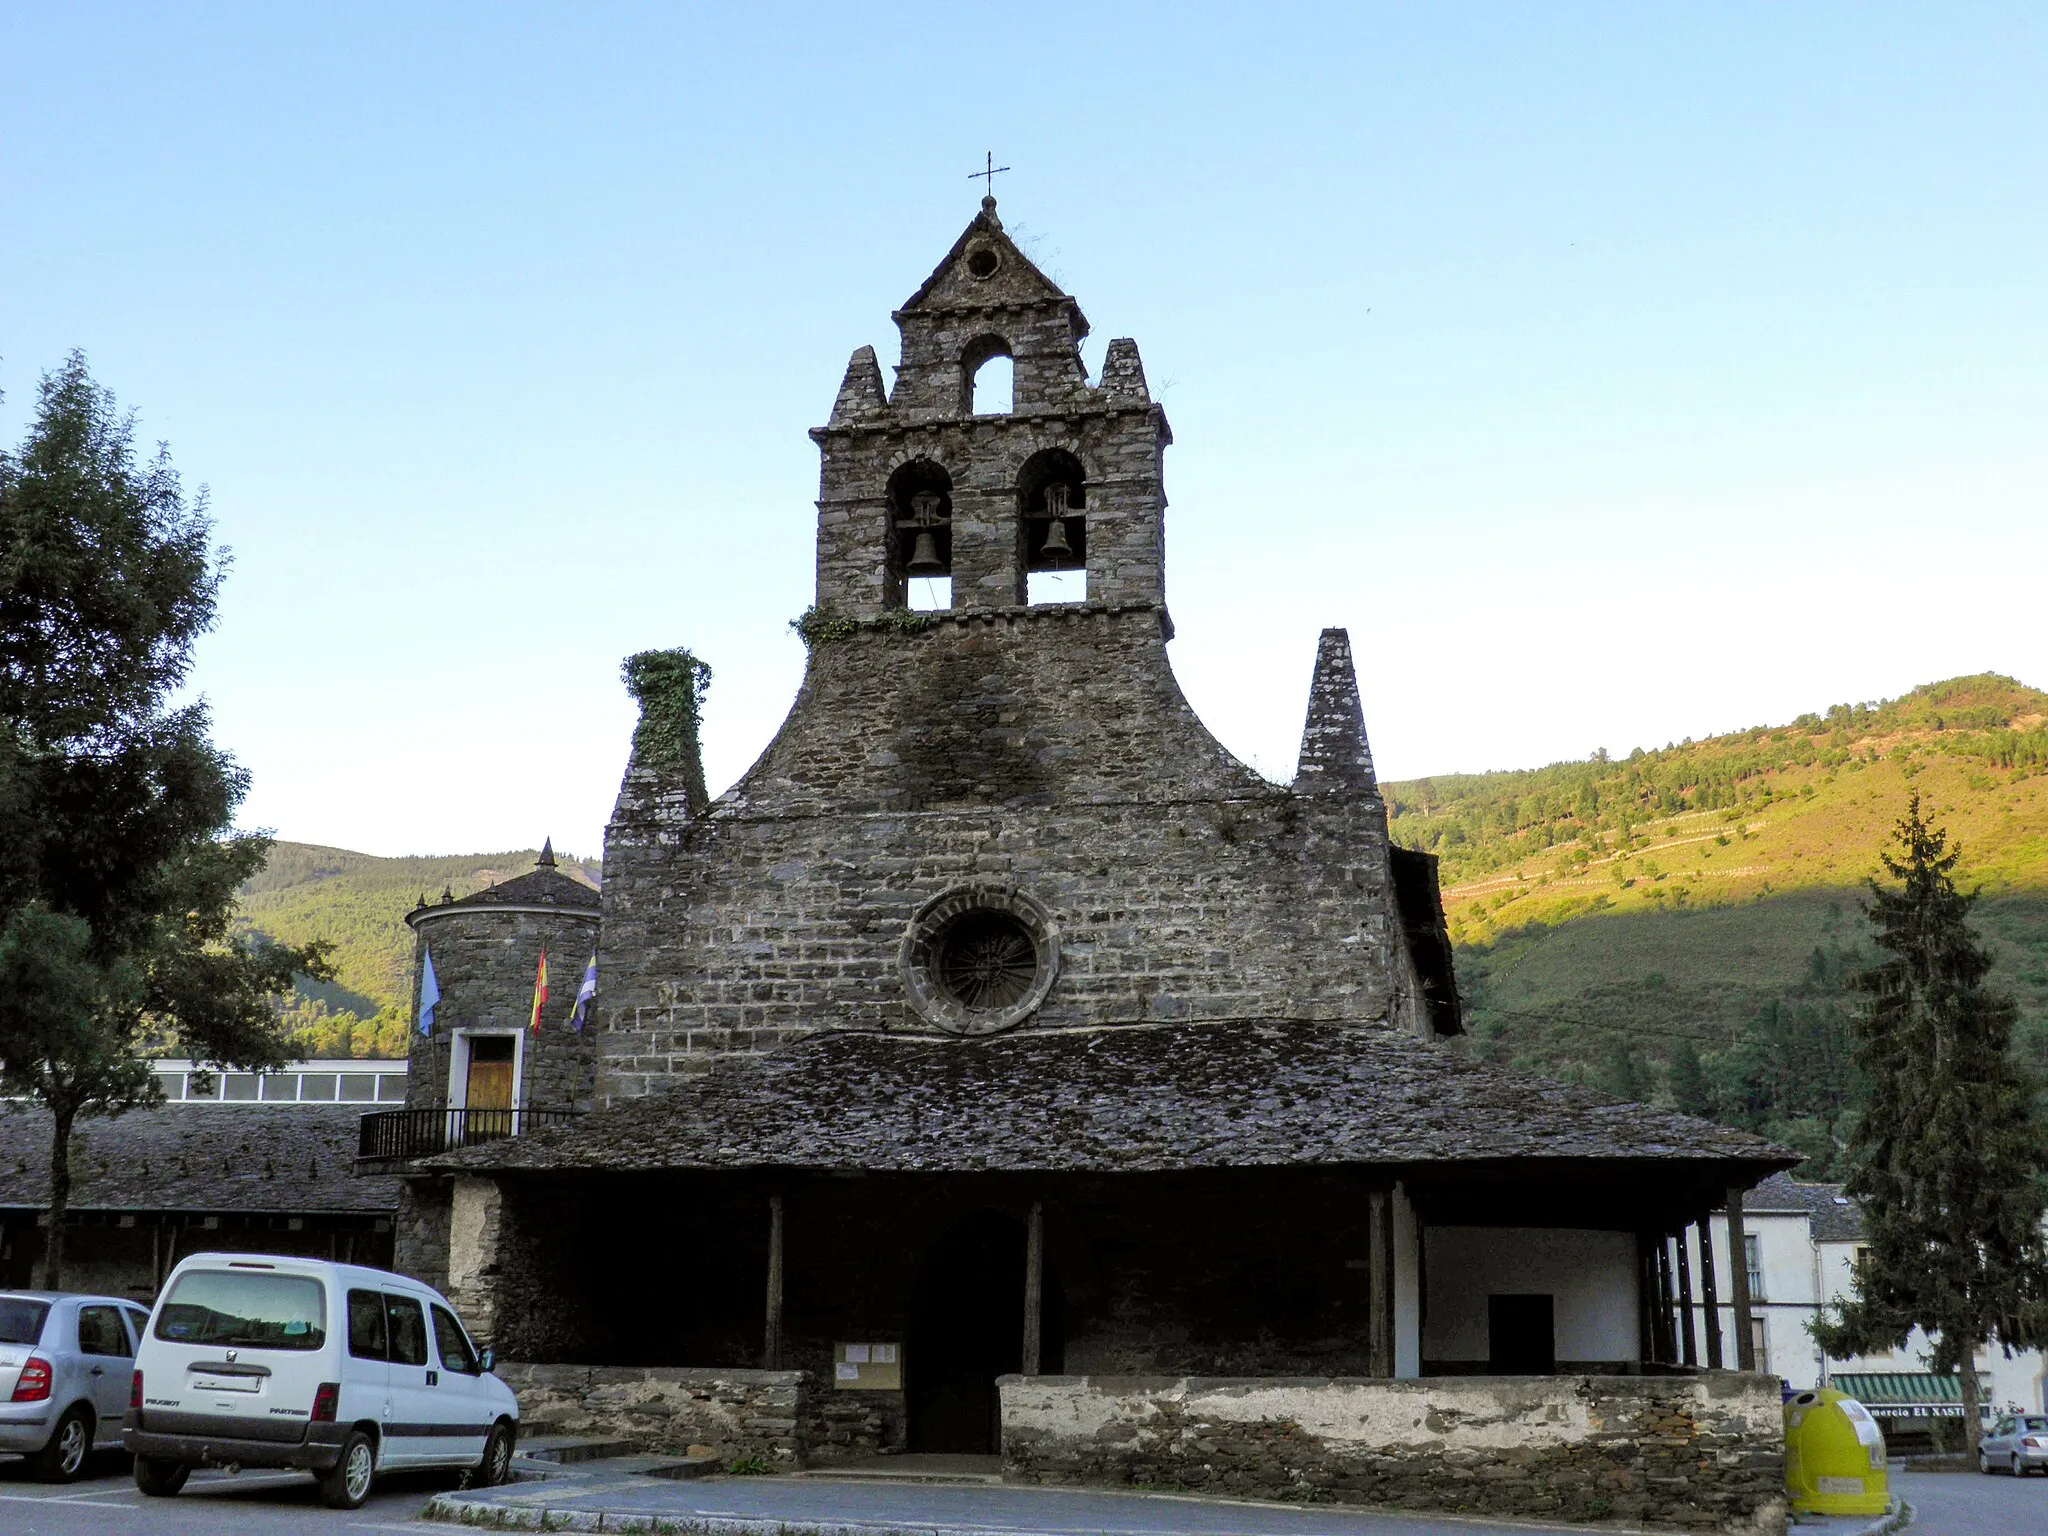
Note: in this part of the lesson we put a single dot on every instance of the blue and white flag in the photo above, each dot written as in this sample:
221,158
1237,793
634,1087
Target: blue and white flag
430,993
585,995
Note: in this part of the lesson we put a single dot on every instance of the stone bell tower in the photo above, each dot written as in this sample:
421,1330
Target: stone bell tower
916,482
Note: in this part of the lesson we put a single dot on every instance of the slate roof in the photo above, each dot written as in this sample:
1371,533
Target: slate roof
542,886
282,1159
1123,1099
1835,1217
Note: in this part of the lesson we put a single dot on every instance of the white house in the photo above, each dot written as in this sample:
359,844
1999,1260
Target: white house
1802,1241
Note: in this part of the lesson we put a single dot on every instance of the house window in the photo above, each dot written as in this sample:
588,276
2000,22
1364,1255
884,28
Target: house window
1760,1338
1753,1261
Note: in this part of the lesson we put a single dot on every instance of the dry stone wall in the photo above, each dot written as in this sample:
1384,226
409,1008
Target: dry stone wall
670,1409
1697,1453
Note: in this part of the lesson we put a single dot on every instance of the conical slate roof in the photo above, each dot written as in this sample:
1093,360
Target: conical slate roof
544,887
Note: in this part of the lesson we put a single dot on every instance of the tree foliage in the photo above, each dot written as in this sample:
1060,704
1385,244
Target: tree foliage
116,808
670,686
1945,1151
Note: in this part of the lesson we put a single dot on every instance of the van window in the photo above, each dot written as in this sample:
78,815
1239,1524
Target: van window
100,1332
454,1344
408,1330
249,1311
21,1320
366,1324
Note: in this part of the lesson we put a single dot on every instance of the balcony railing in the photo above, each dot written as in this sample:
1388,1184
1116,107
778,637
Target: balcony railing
394,1135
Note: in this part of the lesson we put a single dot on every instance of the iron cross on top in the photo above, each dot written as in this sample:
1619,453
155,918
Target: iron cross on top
989,172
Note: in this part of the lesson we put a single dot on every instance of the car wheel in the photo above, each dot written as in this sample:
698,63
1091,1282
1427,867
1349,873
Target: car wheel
496,1465
347,1483
2017,1469
160,1479
63,1459
1983,1463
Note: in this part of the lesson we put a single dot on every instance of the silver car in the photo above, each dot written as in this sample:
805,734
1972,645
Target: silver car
2015,1443
65,1367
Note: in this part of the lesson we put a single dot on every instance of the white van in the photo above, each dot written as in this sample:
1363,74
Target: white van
259,1361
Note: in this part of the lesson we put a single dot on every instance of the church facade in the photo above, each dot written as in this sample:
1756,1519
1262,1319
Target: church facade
998,1025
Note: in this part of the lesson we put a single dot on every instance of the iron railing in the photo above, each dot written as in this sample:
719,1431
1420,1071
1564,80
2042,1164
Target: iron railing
393,1135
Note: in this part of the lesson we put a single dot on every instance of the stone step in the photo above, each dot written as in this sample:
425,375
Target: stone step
564,1449
682,1467
959,1471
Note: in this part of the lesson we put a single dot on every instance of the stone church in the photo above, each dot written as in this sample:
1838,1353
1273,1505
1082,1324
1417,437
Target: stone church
998,1026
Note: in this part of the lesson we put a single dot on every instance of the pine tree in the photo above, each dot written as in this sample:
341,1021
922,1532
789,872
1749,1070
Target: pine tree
1687,1080
116,810
1944,1154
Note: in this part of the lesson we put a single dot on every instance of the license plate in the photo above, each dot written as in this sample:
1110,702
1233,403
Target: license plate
227,1383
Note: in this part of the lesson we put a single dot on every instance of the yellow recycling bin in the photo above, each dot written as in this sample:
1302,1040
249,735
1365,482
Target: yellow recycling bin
1834,1456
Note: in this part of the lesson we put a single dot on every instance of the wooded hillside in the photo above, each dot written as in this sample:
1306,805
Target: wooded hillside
1679,924
358,902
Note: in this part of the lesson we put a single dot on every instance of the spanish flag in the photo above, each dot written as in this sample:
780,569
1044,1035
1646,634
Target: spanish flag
540,991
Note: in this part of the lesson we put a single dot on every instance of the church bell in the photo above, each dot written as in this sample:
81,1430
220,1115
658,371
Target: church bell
924,556
1056,540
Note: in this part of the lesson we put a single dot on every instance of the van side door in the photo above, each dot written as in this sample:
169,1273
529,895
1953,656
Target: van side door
465,1406
365,1368
412,1430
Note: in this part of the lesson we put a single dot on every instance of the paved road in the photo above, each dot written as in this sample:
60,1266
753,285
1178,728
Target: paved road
108,1505
1968,1504
1949,1504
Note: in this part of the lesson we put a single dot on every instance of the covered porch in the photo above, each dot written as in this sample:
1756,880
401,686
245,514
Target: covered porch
909,1295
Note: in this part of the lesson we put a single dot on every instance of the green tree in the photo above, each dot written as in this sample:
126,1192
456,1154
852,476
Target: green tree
116,810
1944,1155
1690,1090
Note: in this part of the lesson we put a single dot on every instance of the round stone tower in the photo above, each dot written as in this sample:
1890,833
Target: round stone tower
480,1054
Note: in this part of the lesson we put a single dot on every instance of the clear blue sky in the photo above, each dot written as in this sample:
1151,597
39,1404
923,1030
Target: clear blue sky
1615,373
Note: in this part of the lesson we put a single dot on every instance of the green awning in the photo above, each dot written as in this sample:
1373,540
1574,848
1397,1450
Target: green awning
1874,1389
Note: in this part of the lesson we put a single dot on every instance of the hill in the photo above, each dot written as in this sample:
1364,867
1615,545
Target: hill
357,902
1680,924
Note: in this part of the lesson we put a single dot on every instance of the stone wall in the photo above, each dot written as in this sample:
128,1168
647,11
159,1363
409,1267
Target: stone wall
668,1409
1048,749
788,1418
1701,1453
514,1271
420,1246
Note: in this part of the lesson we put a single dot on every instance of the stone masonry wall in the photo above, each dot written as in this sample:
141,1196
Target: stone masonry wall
420,1242
1698,1453
1048,748
484,960
669,1409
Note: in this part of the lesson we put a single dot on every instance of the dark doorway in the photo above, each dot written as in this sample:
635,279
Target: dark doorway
966,1329
1521,1336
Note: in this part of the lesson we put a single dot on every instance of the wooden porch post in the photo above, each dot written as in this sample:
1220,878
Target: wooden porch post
1034,1288
1710,1300
771,1353
1689,1349
1667,1336
1380,1279
1738,1285
1646,1306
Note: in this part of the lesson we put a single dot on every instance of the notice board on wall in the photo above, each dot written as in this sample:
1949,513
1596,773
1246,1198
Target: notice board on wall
868,1367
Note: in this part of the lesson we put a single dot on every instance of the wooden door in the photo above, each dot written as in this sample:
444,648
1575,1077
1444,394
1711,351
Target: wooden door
488,1097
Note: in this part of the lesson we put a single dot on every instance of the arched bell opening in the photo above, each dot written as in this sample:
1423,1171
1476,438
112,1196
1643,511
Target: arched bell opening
1052,527
920,548
988,377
